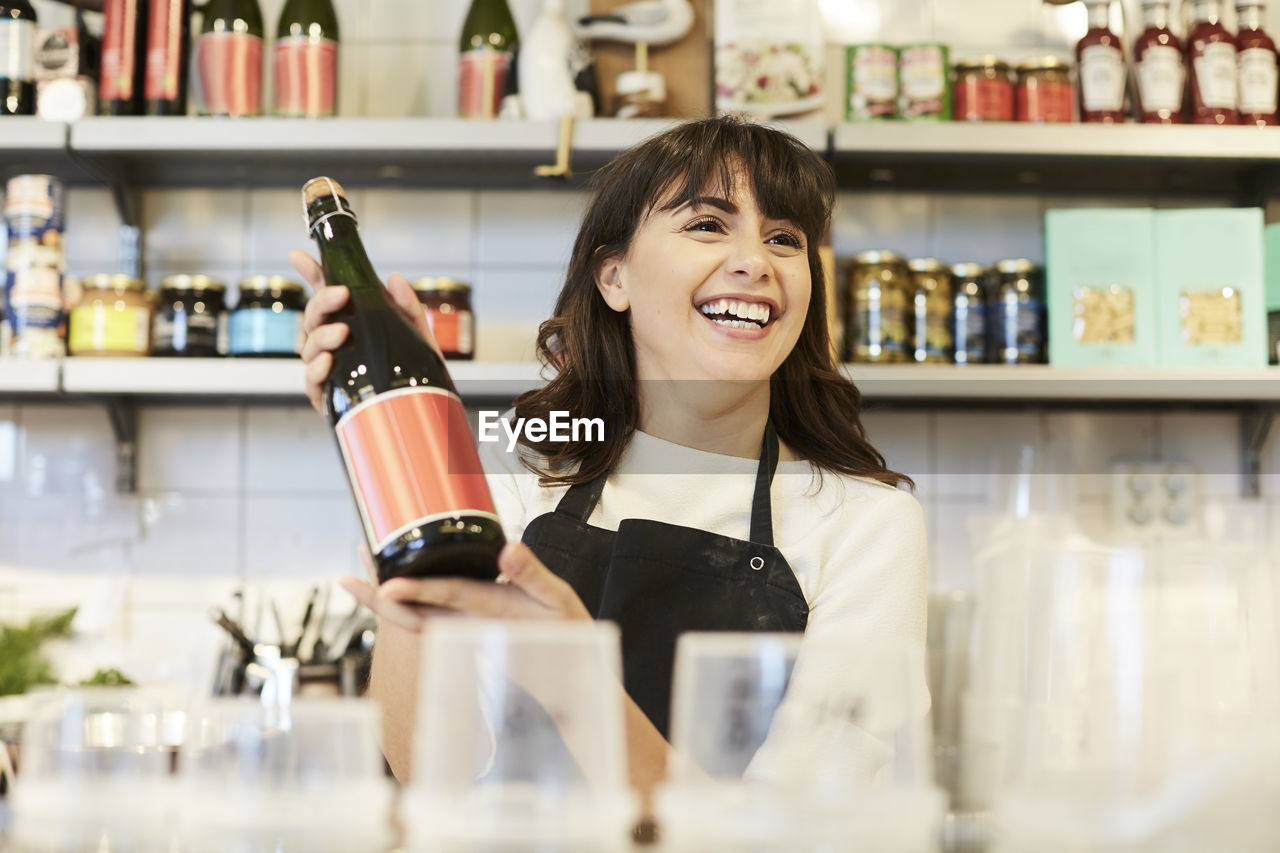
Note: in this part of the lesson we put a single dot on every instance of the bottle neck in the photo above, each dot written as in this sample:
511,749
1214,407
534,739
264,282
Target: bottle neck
1249,17
342,253
1099,16
1208,11
1156,16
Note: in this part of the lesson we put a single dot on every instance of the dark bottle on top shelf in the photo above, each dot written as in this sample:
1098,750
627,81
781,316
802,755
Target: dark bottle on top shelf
1211,67
1256,57
485,49
1159,71
306,60
168,45
17,58
1100,64
124,58
410,457
230,58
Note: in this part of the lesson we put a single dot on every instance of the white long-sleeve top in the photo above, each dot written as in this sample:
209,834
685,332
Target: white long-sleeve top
858,550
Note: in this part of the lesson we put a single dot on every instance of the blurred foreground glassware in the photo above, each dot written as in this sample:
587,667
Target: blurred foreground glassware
277,779
520,740
841,762
95,772
1139,704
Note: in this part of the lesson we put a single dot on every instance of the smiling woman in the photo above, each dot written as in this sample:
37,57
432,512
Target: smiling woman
734,488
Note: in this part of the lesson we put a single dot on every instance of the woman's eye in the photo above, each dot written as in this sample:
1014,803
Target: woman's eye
709,225
786,238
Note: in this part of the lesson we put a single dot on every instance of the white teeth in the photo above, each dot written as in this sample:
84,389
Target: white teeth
748,311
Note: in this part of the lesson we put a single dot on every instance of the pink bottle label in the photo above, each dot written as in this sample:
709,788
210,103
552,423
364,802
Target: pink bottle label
482,75
164,49
306,76
411,459
119,47
231,73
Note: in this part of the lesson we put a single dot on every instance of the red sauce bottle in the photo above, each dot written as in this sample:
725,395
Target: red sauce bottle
1159,71
1211,67
1256,56
1100,60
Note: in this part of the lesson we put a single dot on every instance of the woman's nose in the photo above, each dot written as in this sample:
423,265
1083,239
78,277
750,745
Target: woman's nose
749,259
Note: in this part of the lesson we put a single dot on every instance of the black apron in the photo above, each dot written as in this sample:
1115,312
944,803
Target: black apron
658,580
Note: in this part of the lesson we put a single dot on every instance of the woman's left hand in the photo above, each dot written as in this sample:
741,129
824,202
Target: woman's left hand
533,591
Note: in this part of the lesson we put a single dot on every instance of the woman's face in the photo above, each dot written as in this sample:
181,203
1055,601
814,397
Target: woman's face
716,289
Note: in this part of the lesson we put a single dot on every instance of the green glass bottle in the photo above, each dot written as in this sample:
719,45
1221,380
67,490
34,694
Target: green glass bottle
230,58
485,50
306,60
409,454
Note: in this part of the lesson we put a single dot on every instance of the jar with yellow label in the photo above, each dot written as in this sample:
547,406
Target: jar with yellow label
113,318
931,312
878,308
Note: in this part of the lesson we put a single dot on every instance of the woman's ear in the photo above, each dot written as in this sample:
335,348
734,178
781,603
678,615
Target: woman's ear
609,283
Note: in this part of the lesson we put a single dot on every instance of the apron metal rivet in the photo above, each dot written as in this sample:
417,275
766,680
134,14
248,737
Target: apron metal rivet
757,563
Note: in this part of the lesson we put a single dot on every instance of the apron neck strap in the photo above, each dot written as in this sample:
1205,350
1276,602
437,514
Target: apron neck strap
581,499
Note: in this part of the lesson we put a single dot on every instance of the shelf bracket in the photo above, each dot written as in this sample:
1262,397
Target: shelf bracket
1255,426
123,414
563,167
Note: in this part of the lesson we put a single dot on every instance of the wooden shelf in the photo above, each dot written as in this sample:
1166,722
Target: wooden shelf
1240,161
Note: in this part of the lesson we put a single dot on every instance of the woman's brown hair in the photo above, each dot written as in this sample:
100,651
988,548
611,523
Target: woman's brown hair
587,344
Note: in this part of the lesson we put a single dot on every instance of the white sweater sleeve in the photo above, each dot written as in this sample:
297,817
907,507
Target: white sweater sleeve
859,679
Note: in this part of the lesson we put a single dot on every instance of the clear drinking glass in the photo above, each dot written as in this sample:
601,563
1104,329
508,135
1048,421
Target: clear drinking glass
520,740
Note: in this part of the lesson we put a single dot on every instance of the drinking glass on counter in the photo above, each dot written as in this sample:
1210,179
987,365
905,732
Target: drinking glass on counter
262,778
520,739
95,772
774,756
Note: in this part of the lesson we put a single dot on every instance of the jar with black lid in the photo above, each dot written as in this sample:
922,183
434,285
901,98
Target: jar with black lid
448,304
969,312
191,319
268,319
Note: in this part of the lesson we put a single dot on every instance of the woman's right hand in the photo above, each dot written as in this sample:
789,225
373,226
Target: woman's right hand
324,335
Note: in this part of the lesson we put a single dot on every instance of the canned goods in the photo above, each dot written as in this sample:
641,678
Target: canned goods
37,199
33,307
1045,93
931,311
878,308
924,82
983,90
872,81
191,319
1017,324
112,319
448,304
268,319
969,313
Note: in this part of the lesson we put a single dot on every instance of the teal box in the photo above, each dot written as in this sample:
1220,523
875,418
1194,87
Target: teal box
1100,280
1210,288
1273,267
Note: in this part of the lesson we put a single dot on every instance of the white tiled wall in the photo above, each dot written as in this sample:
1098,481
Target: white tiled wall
229,493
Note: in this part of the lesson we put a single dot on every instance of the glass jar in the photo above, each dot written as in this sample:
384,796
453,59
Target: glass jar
113,318
191,320
969,313
1045,93
931,311
1017,314
878,302
983,90
448,304
268,319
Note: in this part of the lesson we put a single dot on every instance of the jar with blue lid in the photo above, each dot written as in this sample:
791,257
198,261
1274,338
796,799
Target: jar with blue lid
268,319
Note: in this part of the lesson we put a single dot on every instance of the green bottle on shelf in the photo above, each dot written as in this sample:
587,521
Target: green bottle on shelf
230,58
485,52
306,60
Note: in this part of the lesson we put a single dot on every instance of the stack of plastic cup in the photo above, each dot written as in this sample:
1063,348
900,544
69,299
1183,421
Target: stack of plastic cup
1145,717
520,740
776,750
34,262
95,772
259,778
